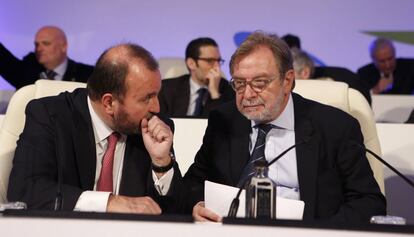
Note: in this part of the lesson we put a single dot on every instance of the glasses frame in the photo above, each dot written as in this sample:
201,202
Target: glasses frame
211,61
267,80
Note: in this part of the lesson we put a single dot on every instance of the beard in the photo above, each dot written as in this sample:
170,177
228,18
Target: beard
267,114
124,125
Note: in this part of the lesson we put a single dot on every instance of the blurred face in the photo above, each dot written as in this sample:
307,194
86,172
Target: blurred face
267,105
209,58
384,60
50,47
140,100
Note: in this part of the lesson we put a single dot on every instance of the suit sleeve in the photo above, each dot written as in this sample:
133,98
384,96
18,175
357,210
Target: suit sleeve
10,67
362,196
33,178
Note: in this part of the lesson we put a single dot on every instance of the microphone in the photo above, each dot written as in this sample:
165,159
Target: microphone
234,206
411,183
57,205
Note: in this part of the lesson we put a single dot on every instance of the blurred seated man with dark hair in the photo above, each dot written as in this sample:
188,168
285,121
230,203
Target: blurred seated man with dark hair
387,74
49,61
197,93
292,41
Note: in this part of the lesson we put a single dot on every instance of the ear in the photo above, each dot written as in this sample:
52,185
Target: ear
191,63
64,47
289,81
108,101
306,73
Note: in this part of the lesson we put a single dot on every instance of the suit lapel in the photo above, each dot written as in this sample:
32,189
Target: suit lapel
181,102
70,72
306,154
83,139
239,145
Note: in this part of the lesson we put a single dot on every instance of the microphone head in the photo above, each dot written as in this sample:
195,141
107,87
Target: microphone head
260,163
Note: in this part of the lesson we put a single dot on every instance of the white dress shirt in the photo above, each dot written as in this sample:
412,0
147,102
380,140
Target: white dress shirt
193,96
60,70
284,172
97,201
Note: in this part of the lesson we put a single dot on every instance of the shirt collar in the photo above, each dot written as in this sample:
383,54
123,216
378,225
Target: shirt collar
100,129
61,69
286,119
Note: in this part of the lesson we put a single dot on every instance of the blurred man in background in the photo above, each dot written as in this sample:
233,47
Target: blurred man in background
197,93
49,61
387,74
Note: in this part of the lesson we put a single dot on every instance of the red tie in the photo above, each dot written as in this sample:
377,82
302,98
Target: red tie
105,178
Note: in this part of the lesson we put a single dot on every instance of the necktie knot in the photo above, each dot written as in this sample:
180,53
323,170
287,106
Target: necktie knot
264,128
50,74
113,138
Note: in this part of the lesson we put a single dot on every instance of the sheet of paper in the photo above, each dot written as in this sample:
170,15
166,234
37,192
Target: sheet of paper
218,198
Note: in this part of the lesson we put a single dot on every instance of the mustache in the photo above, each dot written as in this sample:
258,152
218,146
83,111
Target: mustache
254,102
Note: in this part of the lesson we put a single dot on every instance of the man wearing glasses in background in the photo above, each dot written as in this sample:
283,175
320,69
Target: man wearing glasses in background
326,170
197,93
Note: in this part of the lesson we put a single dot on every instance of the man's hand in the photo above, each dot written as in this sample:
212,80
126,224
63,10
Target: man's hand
200,213
213,76
138,205
158,139
382,85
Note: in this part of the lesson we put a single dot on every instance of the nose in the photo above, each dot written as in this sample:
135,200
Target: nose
249,92
155,105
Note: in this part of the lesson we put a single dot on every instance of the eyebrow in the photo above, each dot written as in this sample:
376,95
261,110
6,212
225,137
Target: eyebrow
256,77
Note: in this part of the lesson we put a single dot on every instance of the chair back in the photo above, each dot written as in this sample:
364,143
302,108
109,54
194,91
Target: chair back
14,120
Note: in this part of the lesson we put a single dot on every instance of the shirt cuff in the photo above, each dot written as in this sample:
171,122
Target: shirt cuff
92,201
162,185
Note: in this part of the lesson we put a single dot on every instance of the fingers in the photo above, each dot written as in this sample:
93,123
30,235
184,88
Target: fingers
144,125
158,130
146,205
138,205
200,213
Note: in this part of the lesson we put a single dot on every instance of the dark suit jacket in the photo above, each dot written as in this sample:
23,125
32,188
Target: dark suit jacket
174,96
59,130
403,76
24,72
335,179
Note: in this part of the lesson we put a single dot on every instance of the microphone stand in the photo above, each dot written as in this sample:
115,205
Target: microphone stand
411,183
57,205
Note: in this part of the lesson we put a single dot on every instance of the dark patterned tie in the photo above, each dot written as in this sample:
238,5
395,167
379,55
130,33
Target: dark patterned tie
199,101
105,182
51,75
258,152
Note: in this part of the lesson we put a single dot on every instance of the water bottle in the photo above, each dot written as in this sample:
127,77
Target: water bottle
261,193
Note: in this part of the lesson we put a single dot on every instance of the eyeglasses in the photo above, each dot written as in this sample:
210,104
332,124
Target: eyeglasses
258,85
211,61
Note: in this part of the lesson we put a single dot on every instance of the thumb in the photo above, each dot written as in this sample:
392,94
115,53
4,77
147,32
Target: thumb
144,125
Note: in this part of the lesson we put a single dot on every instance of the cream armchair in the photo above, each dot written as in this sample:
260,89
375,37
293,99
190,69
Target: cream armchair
339,95
172,67
14,120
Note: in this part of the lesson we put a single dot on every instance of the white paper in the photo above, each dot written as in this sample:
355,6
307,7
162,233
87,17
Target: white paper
218,198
